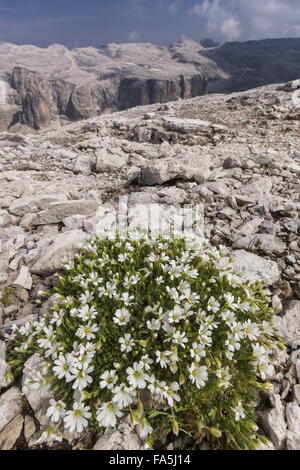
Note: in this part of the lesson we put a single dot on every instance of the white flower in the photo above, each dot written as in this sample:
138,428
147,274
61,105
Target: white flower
110,290
232,343
56,410
198,375
230,301
260,353
238,411
213,305
46,343
127,343
251,330
191,297
87,313
86,297
175,315
266,370
62,367
136,376
163,358
237,330
144,429
224,377
267,328
126,298
146,362
87,331
81,377
180,338
49,436
153,324
109,378
77,419
122,317
57,318
123,396
170,393
197,351
107,415
228,317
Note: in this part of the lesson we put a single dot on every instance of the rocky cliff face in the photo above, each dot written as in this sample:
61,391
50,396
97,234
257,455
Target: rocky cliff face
40,88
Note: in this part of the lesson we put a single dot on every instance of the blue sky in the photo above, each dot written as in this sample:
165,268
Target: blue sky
77,23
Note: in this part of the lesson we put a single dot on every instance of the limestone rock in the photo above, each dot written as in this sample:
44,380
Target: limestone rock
24,279
10,406
83,164
293,418
274,425
37,398
289,323
4,382
30,204
58,212
121,438
265,243
110,161
187,167
293,441
53,254
255,268
10,434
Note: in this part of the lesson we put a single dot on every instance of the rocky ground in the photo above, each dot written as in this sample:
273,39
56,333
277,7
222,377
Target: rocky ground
235,156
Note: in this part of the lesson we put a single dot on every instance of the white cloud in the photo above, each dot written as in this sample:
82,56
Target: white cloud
133,36
231,28
175,6
231,20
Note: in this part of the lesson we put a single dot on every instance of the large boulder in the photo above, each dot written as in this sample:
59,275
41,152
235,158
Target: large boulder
55,250
57,212
190,167
255,268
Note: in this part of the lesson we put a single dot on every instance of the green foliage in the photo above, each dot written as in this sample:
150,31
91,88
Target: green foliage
159,328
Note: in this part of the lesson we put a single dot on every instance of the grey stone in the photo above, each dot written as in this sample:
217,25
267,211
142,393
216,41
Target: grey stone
296,393
190,166
38,399
274,425
123,437
31,204
24,279
10,434
58,212
10,406
289,323
54,252
268,244
110,161
255,268
293,418
83,164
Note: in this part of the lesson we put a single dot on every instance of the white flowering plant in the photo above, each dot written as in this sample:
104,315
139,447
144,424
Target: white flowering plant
157,328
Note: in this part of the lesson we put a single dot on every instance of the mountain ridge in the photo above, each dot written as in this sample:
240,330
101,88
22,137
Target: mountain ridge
46,87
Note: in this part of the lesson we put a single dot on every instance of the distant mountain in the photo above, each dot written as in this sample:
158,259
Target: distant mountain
41,88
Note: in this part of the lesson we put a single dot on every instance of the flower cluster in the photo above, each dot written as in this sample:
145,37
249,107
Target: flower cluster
157,327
